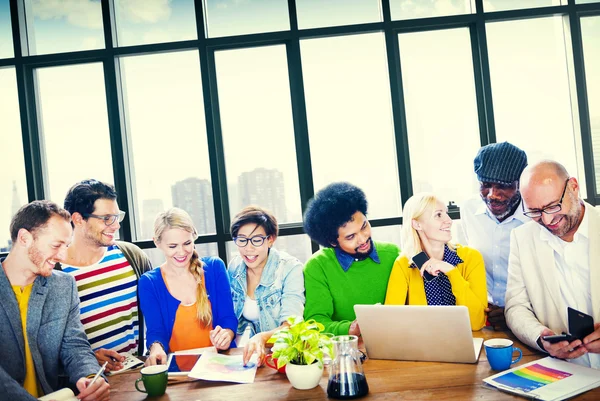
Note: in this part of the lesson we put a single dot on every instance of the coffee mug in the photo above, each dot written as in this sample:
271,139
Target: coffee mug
273,364
499,353
155,380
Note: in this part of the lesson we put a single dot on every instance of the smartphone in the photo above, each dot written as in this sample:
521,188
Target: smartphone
580,324
558,338
419,260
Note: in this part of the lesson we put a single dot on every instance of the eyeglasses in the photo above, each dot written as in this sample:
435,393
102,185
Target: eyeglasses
109,219
534,214
257,240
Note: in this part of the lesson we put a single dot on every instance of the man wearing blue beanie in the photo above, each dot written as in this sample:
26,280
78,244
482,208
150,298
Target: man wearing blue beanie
487,220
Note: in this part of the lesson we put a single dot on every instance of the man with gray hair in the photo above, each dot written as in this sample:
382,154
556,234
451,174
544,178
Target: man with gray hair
487,221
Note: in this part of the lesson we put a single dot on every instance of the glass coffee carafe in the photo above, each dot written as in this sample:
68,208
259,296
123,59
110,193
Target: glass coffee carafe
346,377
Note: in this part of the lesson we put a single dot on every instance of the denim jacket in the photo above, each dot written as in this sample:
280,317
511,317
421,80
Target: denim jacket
279,294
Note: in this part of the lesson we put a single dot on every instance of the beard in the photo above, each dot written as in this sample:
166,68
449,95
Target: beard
510,204
363,255
36,257
571,219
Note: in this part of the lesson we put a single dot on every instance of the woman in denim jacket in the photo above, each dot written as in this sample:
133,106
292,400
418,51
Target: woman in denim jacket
267,285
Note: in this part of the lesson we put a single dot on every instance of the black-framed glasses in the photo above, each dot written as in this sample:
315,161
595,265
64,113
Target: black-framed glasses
534,214
109,219
257,240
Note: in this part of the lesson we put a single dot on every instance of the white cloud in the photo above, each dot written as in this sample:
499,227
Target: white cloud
82,13
145,11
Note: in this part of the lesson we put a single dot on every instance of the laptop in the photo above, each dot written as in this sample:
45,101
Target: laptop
418,333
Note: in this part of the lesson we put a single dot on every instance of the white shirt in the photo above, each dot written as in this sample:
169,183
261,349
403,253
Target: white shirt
481,230
572,261
250,311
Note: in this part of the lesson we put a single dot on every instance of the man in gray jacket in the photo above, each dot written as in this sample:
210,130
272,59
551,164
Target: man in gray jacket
44,304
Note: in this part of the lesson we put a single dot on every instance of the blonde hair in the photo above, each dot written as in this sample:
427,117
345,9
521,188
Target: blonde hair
179,218
414,208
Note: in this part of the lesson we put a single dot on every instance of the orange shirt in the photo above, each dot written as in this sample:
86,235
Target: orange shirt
188,332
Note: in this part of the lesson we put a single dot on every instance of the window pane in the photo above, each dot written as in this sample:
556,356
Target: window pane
441,111
258,134
12,165
349,117
6,41
74,127
503,5
154,21
408,9
296,245
387,234
64,26
322,13
590,32
531,92
163,95
235,17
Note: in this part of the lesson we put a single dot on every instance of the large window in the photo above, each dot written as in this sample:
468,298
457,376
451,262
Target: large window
533,103
349,117
277,99
164,105
441,111
258,132
590,31
73,126
12,171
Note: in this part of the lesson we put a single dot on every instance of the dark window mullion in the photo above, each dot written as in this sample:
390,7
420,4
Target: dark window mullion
213,132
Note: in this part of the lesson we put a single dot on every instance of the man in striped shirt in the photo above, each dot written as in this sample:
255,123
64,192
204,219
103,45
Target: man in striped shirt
106,272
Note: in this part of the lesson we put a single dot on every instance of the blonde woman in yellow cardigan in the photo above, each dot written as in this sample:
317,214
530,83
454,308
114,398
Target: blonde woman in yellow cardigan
453,275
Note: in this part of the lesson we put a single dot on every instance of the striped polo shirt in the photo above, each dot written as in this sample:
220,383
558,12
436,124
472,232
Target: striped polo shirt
108,302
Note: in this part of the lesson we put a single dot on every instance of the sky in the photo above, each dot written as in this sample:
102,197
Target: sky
348,99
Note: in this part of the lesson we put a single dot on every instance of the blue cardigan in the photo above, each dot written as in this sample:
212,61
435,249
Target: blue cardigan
159,307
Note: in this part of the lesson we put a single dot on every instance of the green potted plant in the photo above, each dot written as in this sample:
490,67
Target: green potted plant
300,348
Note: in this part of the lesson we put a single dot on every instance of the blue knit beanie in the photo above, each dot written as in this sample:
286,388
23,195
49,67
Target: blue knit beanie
500,163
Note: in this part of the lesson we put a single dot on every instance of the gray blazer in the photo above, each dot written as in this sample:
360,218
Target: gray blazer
56,337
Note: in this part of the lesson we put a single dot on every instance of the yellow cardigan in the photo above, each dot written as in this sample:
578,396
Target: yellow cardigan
468,285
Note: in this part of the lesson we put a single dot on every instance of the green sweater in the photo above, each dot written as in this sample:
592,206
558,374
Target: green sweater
331,293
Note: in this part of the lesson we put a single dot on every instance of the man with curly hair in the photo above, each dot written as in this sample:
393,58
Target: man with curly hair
351,268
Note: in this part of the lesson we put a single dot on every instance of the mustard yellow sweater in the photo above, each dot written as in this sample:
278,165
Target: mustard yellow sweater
468,285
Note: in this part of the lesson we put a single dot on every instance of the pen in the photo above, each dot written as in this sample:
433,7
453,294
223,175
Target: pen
98,374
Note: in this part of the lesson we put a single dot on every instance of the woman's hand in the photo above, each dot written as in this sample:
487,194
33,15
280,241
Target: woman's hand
157,355
435,266
221,338
255,345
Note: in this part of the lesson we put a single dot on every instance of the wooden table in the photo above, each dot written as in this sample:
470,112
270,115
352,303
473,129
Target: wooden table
388,380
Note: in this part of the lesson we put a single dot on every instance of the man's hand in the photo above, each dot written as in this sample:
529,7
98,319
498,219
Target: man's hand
354,329
495,315
99,391
112,357
157,355
563,349
221,338
592,341
255,344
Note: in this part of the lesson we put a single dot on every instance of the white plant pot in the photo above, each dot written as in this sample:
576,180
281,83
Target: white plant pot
304,377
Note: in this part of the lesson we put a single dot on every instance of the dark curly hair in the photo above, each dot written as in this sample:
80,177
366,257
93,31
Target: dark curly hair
331,208
82,196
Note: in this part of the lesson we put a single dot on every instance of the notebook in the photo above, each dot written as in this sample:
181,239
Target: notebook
548,379
418,333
